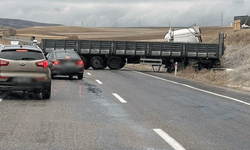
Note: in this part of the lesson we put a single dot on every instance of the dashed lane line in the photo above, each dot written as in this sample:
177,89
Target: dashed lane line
89,74
191,87
119,98
98,81
171,141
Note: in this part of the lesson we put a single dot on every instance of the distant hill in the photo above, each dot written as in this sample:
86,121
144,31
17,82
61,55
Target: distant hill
18,24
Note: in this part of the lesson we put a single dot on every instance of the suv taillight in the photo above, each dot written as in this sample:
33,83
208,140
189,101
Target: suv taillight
56,62
43,64
80,63
4,63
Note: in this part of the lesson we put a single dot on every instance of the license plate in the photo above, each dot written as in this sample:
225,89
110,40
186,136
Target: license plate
22,80
69,64
5,88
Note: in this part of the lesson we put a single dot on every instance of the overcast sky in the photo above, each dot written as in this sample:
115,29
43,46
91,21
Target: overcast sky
126,13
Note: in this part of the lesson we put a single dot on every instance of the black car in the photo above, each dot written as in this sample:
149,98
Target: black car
65,62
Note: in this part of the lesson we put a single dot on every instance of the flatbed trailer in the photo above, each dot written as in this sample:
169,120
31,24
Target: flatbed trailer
115,54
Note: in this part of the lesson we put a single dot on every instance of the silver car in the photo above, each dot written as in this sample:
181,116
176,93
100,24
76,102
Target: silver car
24,68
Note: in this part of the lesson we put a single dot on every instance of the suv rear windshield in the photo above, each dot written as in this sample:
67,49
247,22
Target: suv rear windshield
67,55
21,54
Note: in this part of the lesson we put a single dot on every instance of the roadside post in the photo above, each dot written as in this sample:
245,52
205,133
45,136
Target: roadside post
175,70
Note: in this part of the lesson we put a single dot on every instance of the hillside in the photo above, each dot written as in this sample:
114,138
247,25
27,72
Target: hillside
18,24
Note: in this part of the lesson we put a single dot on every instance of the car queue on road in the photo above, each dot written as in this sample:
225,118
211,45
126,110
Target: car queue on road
25,68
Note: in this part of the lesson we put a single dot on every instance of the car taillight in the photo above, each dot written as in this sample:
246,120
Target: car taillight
2,77
43,64
4,63
80,63
21,50
55,62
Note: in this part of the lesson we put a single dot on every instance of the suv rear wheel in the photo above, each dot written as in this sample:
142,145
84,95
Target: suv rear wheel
46,93
70,76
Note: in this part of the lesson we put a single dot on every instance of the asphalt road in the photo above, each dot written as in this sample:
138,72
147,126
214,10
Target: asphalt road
126,109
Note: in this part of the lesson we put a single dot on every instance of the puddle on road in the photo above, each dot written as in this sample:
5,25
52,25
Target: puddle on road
92,88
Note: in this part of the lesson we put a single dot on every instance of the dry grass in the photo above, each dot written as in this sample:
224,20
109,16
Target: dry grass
237,55
4,42
72,37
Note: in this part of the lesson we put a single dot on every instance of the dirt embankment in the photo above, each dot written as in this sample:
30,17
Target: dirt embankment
236,57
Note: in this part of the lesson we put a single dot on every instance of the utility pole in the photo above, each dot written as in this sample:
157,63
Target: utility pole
95,23
139,22
221,18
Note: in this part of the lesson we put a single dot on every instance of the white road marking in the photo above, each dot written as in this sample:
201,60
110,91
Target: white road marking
98,81
119,98
1,100
89,74
172,142
191,87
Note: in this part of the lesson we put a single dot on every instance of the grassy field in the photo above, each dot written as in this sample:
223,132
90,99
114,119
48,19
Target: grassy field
209,34
237,55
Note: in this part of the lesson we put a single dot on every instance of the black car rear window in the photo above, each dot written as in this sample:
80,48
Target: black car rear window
63,55
21,54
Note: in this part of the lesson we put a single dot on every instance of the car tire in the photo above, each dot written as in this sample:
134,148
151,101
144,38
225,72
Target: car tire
46,93
52,76
70,76
80,76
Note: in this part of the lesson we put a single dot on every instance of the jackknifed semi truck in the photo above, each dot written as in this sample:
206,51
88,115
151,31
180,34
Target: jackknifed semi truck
115,54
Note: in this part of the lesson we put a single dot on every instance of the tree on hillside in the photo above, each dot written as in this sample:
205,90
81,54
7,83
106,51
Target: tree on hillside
6,33
9,31
12,31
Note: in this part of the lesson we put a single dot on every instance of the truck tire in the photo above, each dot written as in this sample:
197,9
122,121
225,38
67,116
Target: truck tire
96,62
86,62
123,62
171,68
114,62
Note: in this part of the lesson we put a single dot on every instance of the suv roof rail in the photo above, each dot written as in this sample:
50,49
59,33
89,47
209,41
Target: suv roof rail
2,46
37,46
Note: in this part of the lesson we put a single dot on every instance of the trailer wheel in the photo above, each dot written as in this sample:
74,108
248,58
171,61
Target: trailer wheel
114,62
86,62
171,68
96,62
